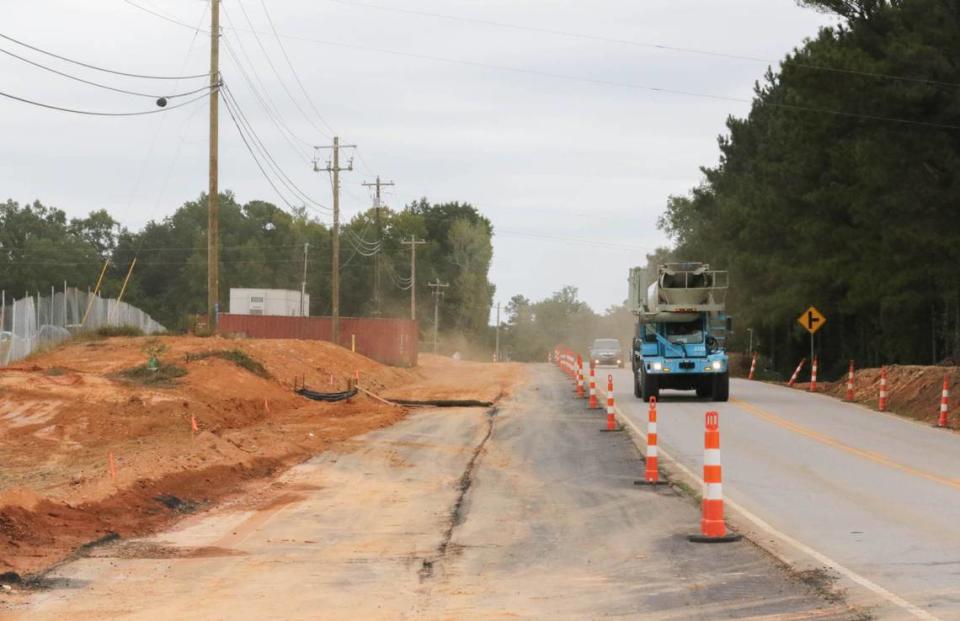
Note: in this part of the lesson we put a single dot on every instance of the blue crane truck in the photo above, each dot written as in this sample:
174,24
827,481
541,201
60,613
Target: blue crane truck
682,327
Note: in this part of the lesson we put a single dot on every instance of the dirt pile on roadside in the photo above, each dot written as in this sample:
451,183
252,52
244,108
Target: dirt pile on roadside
65,414
912,390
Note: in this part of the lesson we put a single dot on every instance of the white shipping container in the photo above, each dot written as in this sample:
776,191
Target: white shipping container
282,302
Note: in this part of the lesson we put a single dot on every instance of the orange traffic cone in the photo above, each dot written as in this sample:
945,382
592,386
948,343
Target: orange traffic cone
882,403
712,527
813,375
850,382
611,409
753,366
652,472
593,404
796,374
944,403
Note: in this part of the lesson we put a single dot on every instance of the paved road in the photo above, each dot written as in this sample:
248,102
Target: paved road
530,513
878,494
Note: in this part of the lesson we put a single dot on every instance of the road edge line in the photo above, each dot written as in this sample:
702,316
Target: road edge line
892,598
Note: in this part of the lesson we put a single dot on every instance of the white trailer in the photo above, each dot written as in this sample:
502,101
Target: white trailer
277,302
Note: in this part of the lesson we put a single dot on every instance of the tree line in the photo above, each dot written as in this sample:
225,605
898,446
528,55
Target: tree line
262,246
840,190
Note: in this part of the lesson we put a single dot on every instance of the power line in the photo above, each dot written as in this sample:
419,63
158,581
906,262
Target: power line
96,68
285,179
296,77
644,44
165,17
288,134
96,113
99,85
598,81
273,68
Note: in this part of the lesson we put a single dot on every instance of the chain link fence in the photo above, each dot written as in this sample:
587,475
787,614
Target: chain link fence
35,322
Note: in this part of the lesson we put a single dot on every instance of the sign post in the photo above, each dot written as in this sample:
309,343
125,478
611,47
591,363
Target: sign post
812,320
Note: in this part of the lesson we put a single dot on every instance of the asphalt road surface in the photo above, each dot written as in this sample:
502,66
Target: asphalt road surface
873,496
528,512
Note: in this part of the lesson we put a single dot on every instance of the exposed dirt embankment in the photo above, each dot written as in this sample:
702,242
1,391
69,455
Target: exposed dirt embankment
912,390
65,414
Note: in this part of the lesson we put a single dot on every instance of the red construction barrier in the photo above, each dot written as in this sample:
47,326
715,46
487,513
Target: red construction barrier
813,375
581,393
712,527
388,341
753,366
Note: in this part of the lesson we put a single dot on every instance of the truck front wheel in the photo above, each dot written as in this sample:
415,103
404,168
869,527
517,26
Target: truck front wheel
649,386
721,387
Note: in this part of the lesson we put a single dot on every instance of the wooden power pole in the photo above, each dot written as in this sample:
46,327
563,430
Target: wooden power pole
413,242
335,169
213,191
377,293
438,288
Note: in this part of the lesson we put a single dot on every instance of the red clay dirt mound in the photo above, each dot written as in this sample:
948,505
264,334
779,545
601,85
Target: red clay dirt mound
912,390
63,415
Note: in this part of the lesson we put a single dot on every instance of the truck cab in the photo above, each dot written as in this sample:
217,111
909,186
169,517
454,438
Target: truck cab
681,332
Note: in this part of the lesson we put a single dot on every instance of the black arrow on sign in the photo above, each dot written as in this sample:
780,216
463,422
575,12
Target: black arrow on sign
811,320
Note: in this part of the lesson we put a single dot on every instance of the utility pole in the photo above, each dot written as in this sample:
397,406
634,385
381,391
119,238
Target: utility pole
335,169
303,283
438,288
413,242
377,295
213,192
496,354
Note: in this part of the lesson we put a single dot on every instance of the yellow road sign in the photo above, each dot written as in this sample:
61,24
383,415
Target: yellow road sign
812,320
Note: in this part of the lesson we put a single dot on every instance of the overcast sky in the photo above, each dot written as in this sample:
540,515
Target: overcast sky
556,138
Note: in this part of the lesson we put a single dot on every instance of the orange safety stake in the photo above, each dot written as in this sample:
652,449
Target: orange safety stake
850,382
266,406
813,375
652,472
581,393
882,405
944,403
712,527
113,467
753,366
193,423
796,374
593,404
611,409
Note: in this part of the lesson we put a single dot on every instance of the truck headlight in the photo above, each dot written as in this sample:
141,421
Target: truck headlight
658,366
717,365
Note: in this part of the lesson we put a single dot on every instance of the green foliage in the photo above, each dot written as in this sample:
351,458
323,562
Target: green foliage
108,331
262,246
163,375
237,356
849,212
532,329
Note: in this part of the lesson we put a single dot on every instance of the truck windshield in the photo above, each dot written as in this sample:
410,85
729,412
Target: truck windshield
685,333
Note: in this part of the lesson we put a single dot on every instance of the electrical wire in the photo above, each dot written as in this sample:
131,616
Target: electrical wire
263,172
296,76
265,103
273,68
644,44
598,81
96,113
99,85
96,68
285,179
157,13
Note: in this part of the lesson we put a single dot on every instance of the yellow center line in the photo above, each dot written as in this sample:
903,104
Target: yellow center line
877,458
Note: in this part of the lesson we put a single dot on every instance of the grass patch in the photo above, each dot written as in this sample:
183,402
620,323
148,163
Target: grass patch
236,356
108,331
164,375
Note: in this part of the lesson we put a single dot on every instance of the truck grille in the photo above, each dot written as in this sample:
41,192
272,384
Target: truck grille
686,364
